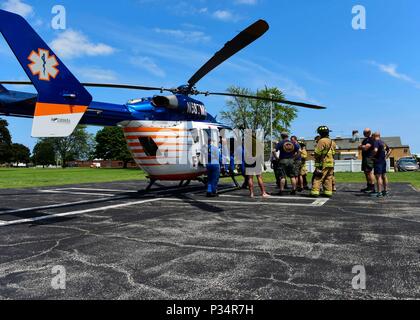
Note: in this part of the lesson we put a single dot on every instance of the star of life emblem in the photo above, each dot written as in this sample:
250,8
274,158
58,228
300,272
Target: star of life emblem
43,64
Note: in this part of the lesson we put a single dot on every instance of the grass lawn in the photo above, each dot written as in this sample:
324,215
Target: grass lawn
26,178
35,177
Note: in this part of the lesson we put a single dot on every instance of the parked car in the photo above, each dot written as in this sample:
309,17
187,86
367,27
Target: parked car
407,164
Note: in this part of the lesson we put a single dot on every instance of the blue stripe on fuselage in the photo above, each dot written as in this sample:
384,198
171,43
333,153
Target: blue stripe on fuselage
22,104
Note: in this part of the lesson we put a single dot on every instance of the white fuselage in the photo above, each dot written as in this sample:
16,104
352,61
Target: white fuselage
168,150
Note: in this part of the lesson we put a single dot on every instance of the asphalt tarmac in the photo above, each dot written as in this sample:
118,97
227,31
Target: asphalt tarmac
109,241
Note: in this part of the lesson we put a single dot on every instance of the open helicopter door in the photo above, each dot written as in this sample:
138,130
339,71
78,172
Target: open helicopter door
196,147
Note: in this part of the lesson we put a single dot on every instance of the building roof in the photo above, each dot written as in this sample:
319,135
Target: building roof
350,144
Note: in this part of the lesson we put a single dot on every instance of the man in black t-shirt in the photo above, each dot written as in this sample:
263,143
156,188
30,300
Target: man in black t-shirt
368,162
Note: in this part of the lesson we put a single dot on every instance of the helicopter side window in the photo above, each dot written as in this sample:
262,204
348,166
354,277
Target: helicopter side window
149,145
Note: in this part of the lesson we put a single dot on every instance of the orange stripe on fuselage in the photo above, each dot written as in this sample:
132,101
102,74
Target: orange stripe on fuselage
155,158
157,137
140,150
159,144
141,129
48,109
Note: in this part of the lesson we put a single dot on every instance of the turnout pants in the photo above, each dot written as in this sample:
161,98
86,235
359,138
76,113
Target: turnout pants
326,180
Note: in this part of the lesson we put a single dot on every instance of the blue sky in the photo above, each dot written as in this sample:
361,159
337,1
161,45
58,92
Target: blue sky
366,78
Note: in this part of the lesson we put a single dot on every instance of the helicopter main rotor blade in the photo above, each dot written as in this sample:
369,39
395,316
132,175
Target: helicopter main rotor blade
125,86
242,40
101,85
225,94
291,103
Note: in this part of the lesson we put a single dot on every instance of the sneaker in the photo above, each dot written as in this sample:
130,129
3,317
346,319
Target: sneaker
212,195
376,195
365,189
385,193
293,192
299,189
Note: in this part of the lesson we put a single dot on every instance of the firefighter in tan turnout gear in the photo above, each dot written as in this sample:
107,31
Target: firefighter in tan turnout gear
324,164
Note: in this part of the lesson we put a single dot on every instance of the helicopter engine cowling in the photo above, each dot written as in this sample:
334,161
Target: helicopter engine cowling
182,104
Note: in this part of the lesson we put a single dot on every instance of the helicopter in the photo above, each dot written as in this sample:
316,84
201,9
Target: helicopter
163,126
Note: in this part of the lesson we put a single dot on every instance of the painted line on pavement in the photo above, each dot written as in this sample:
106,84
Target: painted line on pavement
317,203
78,193
73,213
59,205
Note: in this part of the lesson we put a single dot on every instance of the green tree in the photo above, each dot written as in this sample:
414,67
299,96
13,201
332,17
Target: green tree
44,153
254,114
20,154
5,142
78,146
111,145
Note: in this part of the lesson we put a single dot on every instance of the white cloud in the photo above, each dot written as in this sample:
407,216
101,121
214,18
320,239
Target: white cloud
149,65
94,74
185,36
19,7
202,10
249,2
74,44
223,15
392,70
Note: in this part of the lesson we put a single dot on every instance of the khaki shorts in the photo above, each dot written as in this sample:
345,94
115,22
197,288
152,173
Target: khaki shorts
303,170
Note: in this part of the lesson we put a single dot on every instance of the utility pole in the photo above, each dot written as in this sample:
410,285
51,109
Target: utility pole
271,121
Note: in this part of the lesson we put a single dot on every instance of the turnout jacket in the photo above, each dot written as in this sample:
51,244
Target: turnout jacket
324,153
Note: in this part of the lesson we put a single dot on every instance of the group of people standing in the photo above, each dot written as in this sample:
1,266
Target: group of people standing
289,161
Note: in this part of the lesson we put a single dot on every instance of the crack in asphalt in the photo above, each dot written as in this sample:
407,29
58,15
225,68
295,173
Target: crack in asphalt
77,256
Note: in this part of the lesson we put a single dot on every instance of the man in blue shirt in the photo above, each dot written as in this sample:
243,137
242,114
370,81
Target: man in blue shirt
288,152
213,169
380,153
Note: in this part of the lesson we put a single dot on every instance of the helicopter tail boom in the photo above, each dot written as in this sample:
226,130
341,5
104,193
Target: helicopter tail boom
62,100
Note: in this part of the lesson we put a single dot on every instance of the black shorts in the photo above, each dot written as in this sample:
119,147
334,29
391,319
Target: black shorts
368,164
